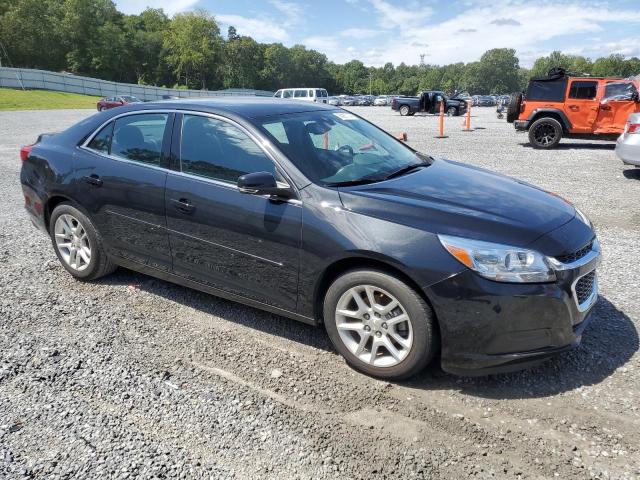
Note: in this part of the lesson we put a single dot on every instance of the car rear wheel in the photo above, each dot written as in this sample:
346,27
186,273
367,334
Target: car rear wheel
77,244
379,324
545,133
404,110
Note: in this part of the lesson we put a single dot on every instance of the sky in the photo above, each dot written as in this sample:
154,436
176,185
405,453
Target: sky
380,31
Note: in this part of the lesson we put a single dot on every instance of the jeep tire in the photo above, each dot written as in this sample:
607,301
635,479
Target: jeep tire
513,109
545,133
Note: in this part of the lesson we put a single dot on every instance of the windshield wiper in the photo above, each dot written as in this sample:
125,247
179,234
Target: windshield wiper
351,183
405,170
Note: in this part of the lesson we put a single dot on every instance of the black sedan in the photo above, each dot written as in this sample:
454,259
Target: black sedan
313,213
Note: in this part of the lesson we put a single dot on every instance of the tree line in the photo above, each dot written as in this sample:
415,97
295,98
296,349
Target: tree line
91,37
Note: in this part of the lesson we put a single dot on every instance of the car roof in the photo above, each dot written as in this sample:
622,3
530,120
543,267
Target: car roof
248,107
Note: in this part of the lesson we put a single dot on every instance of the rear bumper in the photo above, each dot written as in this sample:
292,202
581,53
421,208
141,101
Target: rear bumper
521,125
628,150
489,327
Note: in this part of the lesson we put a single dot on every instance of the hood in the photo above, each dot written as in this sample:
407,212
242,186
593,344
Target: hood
455,199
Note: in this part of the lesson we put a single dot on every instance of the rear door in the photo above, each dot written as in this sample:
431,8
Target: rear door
619,100
581,105
243,244
120,176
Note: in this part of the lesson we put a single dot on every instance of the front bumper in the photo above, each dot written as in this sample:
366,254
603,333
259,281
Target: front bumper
521,125
490,327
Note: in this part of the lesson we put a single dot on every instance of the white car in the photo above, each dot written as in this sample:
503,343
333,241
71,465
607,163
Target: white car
318,95
628,145
381,101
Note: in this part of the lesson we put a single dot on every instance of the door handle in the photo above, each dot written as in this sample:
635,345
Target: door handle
606,108
574,108
183,205
93,179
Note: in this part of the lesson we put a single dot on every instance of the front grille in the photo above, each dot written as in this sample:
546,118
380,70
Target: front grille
584,287
577,255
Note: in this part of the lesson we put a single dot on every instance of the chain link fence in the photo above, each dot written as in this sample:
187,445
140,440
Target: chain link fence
26,78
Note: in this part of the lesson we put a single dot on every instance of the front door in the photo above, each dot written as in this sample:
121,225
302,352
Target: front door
243,244
121,180
619,100
581,106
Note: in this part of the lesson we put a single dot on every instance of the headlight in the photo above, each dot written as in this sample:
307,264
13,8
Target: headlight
583,217
501,263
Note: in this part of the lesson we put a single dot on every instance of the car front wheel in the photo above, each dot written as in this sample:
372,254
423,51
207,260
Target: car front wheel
77,243
379,324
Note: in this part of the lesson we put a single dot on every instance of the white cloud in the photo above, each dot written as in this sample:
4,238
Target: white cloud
292,13
360,33
259,30
395,16
170,7
467,36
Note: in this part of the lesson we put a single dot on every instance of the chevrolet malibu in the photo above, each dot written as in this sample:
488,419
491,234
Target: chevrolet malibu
312,213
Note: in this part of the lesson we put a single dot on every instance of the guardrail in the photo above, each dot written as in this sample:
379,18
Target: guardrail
27,78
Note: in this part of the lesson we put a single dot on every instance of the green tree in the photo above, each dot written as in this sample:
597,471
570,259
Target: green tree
193,47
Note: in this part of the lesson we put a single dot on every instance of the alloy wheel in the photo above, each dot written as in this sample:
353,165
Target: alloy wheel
374,326
545,134
72,242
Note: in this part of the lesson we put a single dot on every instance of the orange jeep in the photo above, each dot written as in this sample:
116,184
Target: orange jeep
562,105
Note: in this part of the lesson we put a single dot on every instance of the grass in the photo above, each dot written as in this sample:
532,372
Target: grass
11,99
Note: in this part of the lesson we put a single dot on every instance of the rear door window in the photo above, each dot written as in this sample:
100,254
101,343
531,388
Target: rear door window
583,90
287,94
101,143
300,93
216,149
139,137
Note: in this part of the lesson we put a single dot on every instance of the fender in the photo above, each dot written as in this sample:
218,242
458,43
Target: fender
539,112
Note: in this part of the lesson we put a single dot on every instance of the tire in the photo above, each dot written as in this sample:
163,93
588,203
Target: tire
66,217
545,133
102,109
354,336
513,109
404,110
452,112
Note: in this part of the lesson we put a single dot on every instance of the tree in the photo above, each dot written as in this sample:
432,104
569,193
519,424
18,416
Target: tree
144,35
193,46
243,62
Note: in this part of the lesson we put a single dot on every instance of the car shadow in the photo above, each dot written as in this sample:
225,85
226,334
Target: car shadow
608,343
578,146
632,173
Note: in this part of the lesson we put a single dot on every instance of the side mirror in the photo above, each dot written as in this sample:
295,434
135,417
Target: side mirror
263,183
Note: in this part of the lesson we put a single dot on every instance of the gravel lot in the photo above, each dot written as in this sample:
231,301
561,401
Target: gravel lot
132,377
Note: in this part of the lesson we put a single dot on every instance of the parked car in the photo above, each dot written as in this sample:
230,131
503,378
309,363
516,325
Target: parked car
336,101
106,103
485,101
428,102
313,213
318,95
348,101
628,144
560,105
381,101
363,101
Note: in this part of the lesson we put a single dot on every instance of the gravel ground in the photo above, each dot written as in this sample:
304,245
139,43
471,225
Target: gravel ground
132,377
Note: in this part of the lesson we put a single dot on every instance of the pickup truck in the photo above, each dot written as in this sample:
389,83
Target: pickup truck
428,102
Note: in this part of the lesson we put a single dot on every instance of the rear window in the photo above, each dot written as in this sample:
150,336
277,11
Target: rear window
583,90
547,89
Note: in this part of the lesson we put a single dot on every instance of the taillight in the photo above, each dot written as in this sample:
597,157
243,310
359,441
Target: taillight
633,128
25,151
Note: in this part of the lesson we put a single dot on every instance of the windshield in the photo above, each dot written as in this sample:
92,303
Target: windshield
338,148
130,99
